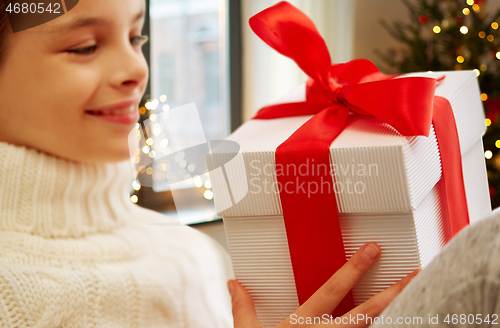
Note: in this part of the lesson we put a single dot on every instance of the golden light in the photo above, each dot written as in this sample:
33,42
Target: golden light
134,199
483,67
164,143
470,2
166,108
482,35
146,149
208,184
494,25
152,117
149,170
460,59
488,154
490,38
498,55
208,194
436,29
464,30
476,71
475,7
484,96
149,141
487,121
148,105
142,110
466,11
136,185
497,143
163,98
152,154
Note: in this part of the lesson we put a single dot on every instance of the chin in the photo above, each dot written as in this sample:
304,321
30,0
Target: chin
97,155
109,155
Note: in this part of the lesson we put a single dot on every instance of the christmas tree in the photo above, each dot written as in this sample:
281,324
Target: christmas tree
444,35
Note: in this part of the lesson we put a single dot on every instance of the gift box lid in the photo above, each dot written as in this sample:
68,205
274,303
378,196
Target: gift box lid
376,169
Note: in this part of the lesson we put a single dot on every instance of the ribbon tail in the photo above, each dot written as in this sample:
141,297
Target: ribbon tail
309,204
451,163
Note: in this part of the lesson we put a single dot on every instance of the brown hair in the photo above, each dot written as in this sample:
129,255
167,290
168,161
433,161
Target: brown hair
4,31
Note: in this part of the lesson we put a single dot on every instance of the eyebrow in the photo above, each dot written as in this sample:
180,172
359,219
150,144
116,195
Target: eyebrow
93,21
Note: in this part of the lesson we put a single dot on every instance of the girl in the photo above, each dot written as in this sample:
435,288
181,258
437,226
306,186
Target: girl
74,251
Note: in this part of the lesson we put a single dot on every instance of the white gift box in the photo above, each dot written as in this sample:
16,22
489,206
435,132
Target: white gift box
388,190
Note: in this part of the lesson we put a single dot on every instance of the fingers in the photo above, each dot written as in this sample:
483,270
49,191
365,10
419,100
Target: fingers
333,291
243,309
377,304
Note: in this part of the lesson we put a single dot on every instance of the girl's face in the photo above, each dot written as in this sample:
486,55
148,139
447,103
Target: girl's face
87,59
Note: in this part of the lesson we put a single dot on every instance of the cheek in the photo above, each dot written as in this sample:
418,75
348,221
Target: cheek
69,89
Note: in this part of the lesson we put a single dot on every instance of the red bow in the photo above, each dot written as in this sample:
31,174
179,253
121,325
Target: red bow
408,104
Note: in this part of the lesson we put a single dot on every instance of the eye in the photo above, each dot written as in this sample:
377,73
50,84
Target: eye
139,39
84,51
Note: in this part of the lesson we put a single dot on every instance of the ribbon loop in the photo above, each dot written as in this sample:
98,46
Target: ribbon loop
290,32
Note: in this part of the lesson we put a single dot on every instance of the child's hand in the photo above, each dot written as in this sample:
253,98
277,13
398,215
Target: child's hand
328,296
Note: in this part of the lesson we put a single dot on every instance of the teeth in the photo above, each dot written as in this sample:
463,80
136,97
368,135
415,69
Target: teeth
124,111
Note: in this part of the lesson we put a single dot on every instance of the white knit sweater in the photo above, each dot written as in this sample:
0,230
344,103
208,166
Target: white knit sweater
75,252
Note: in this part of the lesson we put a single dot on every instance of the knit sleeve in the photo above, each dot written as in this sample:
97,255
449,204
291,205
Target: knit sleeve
461,283
49,297
33,298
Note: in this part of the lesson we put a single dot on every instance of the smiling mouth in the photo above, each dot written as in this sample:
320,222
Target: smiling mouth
121,111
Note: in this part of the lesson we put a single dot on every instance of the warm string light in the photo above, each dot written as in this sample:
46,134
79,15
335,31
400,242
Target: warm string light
498,55
487,122
460,59
494,25
488,154
466,11
497,143
484,96
436,29
208,194
464,29
482,35
470,2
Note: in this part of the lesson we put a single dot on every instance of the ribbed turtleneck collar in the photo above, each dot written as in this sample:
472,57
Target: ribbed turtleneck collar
52,197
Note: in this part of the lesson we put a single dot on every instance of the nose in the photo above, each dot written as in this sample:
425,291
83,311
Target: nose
129,69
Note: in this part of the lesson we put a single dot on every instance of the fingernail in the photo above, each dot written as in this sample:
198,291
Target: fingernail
230,287
371,252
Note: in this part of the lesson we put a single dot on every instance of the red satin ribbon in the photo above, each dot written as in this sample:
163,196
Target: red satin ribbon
407,104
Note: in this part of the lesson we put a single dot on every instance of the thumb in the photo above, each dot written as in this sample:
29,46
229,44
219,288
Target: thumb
244,315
